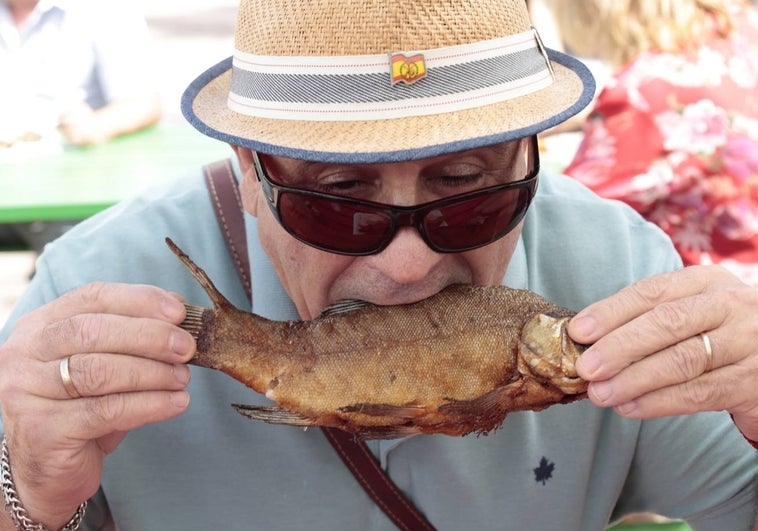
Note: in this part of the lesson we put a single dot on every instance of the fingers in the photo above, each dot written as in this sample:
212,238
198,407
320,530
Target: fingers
674,288
89,333
102,416
125,357
662,328
116,337
673,344
681,363
119,318
92,418
91,375
713,391
662,311
99,375
678,381
131,300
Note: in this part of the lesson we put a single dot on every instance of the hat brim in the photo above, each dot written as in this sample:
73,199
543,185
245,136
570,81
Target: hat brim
204,105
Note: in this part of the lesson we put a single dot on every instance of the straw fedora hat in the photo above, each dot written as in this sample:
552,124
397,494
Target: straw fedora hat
363,81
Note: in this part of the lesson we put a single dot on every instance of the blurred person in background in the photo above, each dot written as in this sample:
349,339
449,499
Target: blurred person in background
75,72
82,66
545,18
685,91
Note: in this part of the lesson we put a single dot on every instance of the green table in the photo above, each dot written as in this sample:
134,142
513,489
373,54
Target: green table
82,181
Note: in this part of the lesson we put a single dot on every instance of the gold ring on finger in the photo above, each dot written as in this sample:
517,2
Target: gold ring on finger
68,384
708,352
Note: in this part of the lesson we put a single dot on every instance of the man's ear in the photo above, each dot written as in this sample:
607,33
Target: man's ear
250,188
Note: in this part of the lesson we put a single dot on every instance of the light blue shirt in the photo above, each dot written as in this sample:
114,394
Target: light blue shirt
570,467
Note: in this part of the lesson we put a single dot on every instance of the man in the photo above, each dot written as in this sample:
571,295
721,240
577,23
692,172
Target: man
374,106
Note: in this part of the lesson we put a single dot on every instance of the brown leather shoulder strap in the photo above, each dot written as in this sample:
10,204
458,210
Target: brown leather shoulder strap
375,481
227,204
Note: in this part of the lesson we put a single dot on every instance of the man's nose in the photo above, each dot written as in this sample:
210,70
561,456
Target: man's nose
407,259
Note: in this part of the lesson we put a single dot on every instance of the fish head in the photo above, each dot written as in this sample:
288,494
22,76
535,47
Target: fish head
546,352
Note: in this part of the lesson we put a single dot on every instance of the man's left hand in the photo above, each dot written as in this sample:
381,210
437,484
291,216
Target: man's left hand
649,355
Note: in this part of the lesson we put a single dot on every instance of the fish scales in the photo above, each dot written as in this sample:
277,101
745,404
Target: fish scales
453,363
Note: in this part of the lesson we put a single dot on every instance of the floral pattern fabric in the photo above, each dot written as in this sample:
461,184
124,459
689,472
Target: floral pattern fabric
676,137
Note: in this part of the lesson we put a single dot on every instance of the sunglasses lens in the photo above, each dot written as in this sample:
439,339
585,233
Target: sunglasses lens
332,225
477,221
344,227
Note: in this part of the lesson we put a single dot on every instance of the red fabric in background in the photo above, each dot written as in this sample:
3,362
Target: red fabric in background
676,137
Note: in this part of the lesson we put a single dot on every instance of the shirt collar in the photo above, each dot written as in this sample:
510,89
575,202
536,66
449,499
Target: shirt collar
517,274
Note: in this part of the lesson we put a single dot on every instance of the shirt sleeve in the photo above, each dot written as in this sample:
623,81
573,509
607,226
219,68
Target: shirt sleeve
713,489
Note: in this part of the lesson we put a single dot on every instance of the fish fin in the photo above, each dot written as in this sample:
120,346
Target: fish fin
273,415
407,412
489,408
219,301
344,306
387,432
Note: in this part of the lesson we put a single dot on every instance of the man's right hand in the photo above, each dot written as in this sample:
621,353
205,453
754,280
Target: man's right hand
127,359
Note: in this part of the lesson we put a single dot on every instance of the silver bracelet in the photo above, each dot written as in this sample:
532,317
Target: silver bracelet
13,505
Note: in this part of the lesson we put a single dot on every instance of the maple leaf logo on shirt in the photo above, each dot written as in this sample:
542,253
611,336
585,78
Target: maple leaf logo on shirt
544,472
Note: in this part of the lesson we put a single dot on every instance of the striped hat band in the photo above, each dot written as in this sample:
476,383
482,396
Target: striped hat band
384,86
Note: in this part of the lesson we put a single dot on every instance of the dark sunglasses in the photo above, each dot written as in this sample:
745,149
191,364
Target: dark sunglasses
353,227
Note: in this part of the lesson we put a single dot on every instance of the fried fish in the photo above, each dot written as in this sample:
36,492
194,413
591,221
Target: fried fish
454,363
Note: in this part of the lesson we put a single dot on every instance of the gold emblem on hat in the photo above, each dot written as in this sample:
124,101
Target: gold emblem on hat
407,69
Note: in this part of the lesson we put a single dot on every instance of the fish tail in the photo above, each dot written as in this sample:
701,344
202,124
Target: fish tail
218,300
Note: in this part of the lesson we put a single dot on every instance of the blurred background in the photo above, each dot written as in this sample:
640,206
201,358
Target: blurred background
186,37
